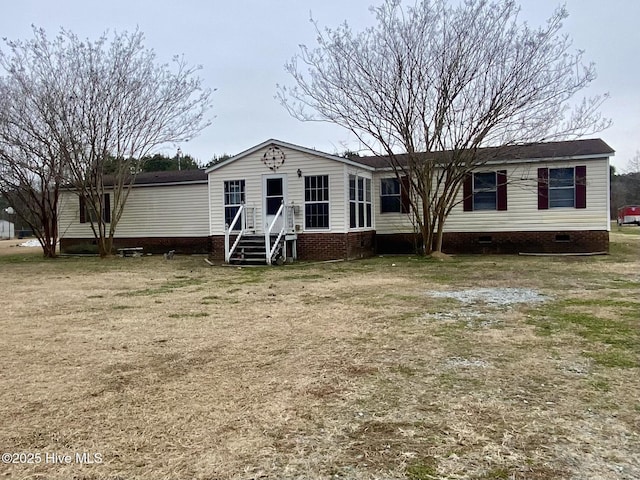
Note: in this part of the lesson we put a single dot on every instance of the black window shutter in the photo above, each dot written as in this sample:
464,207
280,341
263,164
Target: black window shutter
543,188
107,208
83,210
501,189
581,186
467,193
404,195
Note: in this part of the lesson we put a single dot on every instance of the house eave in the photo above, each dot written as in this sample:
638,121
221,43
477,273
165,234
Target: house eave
151,184
527,160
291,146
167,184
598,156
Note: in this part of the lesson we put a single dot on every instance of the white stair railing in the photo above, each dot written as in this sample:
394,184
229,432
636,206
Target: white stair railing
269,250
228,251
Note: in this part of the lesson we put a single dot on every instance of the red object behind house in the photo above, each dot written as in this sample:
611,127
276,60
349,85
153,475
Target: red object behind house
629,215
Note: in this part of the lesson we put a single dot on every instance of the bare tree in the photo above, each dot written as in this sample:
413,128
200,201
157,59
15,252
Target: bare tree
445,79
625,187
109,104
633,164
31,168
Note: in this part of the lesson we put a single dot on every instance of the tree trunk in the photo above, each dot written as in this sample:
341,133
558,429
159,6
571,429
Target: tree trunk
48,250
105,246
49,237
440,231
439,237
427,238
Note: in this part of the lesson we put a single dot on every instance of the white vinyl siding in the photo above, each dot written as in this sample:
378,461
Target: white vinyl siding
389,222
522,213
252,170
150,211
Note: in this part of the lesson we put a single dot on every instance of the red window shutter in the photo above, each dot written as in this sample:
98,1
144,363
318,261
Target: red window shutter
581,186
83,213
107,208
467,193
404,195
501,189
543,188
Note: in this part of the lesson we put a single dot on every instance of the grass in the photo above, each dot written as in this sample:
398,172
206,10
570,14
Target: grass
345,370
626,230
608,327
169,286
422,470
189,314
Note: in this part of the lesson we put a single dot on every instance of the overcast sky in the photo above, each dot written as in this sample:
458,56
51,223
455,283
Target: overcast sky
243,45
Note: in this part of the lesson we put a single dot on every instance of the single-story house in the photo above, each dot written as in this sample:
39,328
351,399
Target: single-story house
297,202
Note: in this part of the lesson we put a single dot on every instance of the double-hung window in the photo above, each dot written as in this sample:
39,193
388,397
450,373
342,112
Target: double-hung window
564,187
233,199
316,202
485,191
390,196
394,195
89,214
359,202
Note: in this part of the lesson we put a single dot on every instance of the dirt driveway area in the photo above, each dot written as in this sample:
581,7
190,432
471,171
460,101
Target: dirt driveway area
11,247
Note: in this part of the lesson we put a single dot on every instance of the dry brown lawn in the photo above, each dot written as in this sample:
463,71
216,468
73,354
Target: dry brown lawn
177,370
11,247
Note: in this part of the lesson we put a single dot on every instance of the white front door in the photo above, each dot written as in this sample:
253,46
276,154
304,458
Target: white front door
274,188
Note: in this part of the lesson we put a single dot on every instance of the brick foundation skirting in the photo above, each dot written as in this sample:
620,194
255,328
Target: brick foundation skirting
318,246
590,241
216,247
397,243
333,246
181,245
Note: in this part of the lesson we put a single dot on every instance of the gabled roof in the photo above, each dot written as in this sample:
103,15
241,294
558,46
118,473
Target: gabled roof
590,148
291,146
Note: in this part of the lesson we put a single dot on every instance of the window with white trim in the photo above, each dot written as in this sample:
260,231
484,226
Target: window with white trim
233,198
390,196
359,202
394,195
562,187
485,191
316,202
88,213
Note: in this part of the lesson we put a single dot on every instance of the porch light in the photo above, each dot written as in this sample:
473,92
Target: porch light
299,173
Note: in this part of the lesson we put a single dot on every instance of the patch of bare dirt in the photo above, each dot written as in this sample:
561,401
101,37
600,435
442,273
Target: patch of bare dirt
12,247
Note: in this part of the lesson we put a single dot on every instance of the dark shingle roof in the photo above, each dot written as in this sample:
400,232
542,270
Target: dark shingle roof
169,176
543,151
